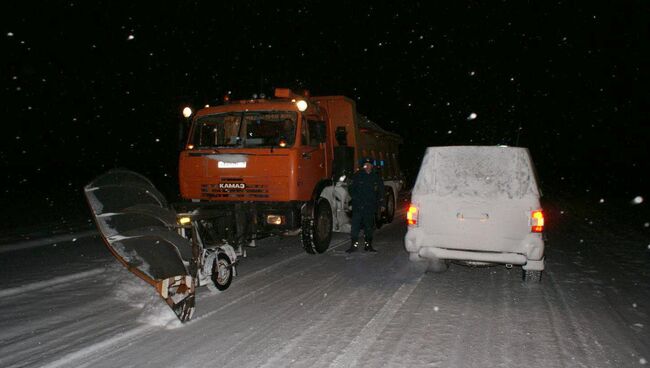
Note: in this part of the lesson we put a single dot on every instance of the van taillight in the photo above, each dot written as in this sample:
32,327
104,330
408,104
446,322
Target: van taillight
537,221
412,215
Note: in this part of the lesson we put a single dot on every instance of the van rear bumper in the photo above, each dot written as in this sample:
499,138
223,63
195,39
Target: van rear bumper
528,252
462,255
492,257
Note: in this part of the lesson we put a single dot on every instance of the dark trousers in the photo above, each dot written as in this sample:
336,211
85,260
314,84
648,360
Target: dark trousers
364,217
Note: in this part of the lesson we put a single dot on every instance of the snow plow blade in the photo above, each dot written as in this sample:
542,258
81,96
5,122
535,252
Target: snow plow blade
139,228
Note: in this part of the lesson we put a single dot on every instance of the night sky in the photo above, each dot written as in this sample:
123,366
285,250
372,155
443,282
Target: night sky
88,86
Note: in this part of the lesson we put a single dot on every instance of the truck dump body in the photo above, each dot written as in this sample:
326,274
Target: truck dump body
364,136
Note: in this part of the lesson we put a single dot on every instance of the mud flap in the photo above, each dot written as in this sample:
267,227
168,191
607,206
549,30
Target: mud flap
139,229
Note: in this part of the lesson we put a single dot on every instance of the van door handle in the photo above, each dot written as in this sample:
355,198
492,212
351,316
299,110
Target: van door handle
306,155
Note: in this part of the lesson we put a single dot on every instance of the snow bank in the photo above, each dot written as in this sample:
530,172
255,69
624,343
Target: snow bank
140,295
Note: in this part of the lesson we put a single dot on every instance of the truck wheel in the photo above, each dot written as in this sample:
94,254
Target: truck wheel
379,219
390,206
222,272
317,231
531,276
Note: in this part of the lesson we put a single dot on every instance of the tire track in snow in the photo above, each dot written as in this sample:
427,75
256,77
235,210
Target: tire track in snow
50,283
95,350
73,359
593,351
284,262
565,316
271,324
314,332
257,273
375,326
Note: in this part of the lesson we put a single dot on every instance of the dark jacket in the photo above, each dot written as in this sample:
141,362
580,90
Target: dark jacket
366,190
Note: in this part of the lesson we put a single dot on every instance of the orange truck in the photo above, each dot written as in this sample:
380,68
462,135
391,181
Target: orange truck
259,167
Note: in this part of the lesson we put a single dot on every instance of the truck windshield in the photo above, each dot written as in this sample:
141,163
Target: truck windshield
245,129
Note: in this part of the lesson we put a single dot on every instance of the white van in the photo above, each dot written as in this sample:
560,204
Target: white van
479,205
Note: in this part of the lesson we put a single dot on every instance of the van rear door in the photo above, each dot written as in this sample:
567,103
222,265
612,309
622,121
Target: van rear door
476,198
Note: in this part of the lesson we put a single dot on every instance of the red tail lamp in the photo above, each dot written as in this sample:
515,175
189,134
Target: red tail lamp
537,221
412,215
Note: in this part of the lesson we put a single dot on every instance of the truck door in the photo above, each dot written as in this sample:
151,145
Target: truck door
312,167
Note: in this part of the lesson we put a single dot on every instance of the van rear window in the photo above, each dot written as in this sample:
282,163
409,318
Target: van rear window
477,171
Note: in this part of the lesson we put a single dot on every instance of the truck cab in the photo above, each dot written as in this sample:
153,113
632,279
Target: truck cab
272,165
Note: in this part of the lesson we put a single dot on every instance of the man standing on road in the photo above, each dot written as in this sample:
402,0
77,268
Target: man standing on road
367,192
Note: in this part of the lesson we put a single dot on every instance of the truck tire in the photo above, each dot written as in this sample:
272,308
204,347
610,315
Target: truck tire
222,272
386,217
390,206
379,219
317,231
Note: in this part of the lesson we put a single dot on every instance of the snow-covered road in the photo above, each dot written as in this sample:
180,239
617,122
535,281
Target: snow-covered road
73,305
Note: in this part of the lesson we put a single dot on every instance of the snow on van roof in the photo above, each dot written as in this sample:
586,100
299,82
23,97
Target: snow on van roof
477,171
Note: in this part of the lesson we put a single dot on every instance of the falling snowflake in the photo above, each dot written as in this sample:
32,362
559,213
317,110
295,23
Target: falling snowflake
637,200
633,305
435,309
472,116
131,37
602,200
643,361
472,73
449,132
10,34
157,139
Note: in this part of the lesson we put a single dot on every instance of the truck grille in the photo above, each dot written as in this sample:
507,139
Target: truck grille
251,189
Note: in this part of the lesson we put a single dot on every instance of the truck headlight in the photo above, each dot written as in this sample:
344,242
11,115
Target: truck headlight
302,105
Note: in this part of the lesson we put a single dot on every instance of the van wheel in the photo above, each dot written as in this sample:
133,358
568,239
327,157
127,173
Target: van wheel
437,265
317,231
415,257
531,276
222,272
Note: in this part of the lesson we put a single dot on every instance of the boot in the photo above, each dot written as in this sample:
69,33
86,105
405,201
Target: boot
353,247
368,247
